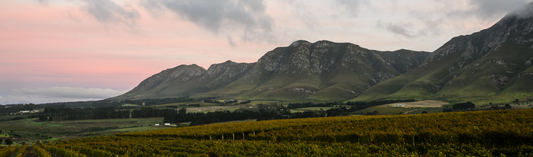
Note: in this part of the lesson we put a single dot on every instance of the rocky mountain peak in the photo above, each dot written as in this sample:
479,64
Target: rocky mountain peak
228,66
514,26
298,42
181,72
187,71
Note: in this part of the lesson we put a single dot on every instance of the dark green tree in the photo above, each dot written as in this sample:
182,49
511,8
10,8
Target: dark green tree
464,106
508,106
8,141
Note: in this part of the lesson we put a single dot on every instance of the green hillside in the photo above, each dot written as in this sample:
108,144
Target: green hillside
488,66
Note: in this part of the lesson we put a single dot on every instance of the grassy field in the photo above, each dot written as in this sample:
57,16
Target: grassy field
215,108
476,133
129,105
31,130
430,106
310,109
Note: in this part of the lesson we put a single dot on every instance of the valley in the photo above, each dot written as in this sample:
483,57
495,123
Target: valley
473,96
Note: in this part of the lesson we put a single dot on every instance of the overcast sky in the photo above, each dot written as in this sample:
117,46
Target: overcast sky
71,50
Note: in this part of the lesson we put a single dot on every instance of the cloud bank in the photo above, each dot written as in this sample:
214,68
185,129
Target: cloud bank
107,11
221,15
56,94
488,9
431,21
524,11
351,6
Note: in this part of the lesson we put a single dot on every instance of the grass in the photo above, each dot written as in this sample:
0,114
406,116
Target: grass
213,108
430,106
310,109
133,129
128,105
33,130
384,109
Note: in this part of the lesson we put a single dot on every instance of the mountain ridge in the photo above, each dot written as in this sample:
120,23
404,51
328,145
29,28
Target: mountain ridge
299,70
492,64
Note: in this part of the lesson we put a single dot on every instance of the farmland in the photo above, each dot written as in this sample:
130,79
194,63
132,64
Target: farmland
476,133
430,106
31,129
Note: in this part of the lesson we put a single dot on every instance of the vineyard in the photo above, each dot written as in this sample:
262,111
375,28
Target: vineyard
480,133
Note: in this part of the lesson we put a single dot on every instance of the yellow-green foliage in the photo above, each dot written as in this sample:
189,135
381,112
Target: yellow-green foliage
480,133
40,151
22,151
7,150
60,151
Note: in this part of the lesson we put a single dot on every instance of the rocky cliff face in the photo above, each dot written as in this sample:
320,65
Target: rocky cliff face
222,74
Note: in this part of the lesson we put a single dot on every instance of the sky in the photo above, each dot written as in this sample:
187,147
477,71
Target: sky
78,50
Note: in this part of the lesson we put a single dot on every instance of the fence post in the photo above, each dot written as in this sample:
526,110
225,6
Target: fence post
413,140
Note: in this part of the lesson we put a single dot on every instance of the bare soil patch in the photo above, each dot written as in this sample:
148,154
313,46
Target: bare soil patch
30,152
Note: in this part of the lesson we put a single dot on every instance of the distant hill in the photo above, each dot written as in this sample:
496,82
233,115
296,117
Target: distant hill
490,66
323,70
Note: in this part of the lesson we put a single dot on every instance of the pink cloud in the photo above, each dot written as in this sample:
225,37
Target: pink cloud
58,45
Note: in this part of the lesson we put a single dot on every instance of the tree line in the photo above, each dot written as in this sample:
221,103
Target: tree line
6,109
260,113
60,114
148,102
274,111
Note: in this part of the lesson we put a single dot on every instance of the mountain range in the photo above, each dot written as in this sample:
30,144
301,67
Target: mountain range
491,65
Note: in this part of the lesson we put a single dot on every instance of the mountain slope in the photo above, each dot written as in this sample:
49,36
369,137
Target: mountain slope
187,80
482,66
493,65
323,70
